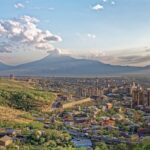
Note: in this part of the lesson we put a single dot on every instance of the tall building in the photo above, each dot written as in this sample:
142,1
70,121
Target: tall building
89,91
134,94
133,87
148,97
140,96
137,93
135,97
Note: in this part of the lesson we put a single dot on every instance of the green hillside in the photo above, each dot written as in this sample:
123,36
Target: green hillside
21,95
20,105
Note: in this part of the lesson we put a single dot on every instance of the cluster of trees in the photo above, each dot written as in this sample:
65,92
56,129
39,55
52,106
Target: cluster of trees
49,138
145,145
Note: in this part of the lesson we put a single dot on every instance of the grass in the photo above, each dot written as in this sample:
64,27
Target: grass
10,114
7,83
18,99
21,95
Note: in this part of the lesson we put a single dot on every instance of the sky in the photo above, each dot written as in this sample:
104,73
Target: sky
111,31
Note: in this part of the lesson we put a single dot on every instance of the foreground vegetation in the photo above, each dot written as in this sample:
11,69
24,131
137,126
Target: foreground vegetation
21,95
19,102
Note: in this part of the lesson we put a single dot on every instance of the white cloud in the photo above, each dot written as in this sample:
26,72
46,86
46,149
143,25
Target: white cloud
2,30
28,19
104,0
56,51
5,47
97,7
85,36
23,32
91,36
113,3
19,5
98,55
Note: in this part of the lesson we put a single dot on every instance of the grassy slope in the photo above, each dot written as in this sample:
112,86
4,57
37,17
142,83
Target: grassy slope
21,95
14,115
12,111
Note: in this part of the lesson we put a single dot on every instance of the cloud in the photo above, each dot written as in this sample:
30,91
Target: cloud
2,30
103,57
56,51
5,47
99,56
98,7
140,59
134,59
85,36
147,50
113,3
24,33
91,36
19,5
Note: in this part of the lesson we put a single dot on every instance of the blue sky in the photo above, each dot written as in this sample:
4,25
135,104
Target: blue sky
119,28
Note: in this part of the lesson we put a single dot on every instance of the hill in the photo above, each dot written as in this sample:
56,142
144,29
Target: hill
13,115
23,96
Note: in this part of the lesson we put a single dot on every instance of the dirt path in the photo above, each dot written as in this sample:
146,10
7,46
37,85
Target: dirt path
74,103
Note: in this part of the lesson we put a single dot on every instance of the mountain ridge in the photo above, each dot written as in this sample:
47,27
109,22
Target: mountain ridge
63,65
4,66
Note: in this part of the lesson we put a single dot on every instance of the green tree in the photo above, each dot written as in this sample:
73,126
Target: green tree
120,147
101,146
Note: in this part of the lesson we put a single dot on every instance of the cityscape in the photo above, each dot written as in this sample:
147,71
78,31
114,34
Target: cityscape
88,113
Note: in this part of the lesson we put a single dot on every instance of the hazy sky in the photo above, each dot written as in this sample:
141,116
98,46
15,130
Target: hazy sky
112,31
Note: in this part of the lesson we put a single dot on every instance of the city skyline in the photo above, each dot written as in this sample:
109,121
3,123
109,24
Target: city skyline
111,31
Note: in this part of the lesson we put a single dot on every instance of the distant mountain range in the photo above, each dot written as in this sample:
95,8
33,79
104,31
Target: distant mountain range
62,65
4,67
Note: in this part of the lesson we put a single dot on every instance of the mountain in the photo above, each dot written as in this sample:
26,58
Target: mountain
61,65
4,66
145,70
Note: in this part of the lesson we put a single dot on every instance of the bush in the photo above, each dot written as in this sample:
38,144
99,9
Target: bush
101,146
36,125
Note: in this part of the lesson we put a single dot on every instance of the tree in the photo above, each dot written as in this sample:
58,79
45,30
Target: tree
101,146
146,144
120,147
